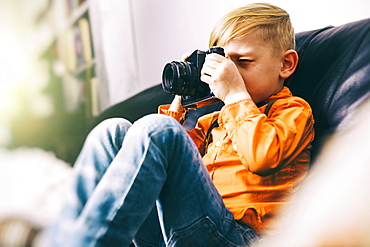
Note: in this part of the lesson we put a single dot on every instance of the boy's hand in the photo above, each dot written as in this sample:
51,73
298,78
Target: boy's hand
224,79
176,104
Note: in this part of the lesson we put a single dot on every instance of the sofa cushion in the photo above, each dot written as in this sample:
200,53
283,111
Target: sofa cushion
135,107
333,73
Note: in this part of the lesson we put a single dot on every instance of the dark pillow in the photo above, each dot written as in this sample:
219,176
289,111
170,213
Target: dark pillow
333,73
135,107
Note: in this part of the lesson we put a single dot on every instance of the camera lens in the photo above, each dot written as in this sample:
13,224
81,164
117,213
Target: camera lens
180,78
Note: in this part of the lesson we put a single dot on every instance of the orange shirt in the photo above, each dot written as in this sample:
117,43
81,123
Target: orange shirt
256,161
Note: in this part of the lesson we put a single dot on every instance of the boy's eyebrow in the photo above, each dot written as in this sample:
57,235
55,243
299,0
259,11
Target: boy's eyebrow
240,53
243,51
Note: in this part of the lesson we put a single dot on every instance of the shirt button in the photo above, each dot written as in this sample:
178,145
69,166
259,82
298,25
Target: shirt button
218,143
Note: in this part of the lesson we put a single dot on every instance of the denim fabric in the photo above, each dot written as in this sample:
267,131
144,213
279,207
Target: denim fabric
146,180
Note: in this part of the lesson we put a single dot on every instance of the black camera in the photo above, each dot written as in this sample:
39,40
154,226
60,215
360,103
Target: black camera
183,78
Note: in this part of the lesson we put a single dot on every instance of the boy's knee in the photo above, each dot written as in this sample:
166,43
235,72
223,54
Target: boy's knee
158,122
111,127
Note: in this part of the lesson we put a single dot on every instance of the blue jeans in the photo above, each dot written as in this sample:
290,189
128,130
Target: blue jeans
144,183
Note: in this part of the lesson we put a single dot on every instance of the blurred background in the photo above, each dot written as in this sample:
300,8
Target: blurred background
62,62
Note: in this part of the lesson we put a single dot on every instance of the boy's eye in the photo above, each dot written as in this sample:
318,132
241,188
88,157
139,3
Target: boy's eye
245,60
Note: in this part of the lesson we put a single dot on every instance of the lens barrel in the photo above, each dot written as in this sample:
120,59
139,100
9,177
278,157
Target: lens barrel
180,78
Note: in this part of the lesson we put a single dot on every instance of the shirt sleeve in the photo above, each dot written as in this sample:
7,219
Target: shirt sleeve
266,143
163,109
198,133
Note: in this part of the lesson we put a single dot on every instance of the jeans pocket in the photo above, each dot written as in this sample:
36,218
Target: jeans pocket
249,236
203,232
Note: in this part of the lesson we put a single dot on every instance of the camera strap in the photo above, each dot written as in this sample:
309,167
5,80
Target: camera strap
208,139
184,116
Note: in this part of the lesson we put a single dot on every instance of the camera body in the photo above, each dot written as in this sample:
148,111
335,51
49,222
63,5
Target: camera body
183,78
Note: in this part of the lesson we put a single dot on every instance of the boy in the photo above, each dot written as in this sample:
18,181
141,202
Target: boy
232,193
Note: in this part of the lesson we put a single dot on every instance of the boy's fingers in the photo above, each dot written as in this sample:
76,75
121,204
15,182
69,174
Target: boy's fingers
215,57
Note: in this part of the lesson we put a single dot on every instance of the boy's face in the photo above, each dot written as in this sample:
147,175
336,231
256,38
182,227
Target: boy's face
257,64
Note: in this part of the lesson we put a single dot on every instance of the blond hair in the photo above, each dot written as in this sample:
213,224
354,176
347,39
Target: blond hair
273,22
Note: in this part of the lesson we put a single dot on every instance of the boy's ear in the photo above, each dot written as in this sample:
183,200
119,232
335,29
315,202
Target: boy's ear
290,62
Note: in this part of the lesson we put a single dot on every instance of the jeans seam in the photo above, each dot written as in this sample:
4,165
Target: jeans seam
217,236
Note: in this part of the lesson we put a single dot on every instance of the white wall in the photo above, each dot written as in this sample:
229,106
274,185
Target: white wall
149,33
165,29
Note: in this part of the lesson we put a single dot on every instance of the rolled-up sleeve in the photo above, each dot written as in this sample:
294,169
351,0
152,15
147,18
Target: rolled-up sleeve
265,143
